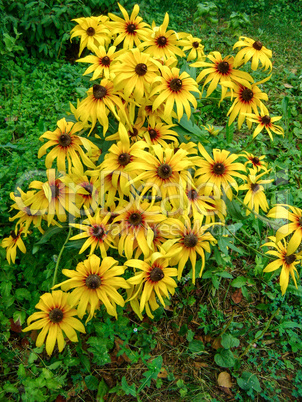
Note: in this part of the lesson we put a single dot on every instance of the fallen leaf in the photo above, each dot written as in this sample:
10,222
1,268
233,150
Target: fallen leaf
287,86
237,296
293,70
200,365
207,338
224,380
15,326
216,344
163,373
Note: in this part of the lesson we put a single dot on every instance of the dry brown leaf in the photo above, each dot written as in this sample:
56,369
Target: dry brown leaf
163,373
237,296
293,70
268,341
224,380
216,344
287,85
207,338
200,365
15,326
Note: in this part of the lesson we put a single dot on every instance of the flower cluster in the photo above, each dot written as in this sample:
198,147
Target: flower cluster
154,196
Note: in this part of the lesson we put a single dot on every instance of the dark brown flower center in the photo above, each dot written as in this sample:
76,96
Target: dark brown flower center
56,315
90,31
255,160
300,221
105,61
98,232
162,41
141,69
131,28
192,194
124,159
156,274
152,133
14,235
99,91
135,219
133,133
65,140
255,187
93,281
247,94
164,171
289,259
257,45
266,120
195,44
55,191
88,187
190,240
218,168
176,84
223,67
148,109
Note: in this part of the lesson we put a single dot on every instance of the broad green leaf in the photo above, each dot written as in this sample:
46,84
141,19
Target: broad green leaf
92,382
128,389
249,381
224,358
228,341
239,282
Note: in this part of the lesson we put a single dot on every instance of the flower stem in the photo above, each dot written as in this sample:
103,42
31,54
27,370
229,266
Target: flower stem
59,258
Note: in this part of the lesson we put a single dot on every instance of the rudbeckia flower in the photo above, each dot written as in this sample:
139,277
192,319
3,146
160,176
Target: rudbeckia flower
154,279
55,318
95,282
287,260
101,63
194,46
67,145
198,203
134,74
92,31
218,172
255,196
175,88
162,44
97,231
164,173
191,239
247,99
157,133
252,49
100,100
256,161
292,214
129,30
13,242
220,70
265,121
25,215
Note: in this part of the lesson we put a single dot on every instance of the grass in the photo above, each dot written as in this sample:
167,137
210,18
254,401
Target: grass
234,321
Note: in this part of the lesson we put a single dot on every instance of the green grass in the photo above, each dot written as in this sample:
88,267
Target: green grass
220,325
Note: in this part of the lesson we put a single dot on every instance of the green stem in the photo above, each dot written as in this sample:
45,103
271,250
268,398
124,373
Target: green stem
59,258
260,335
246,245
248,145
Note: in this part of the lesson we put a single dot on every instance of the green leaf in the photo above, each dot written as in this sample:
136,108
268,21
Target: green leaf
249,381
22,293
51,232
102,391
190,126
196,347
234,209
229,133
92,382
228,341
239,282
224,274
224,358
128,389
21,371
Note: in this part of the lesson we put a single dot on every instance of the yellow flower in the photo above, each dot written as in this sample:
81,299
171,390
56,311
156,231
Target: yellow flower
292,214
195,47
94,282
265,121
100,100
218,172
92,31
247,99
257,162
153,280
212,130
134,74
67,145
56,316
101,63
129,30
287,259
255,196
157,133
220,70
162,44
175,88
97,229
254,50
13,242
